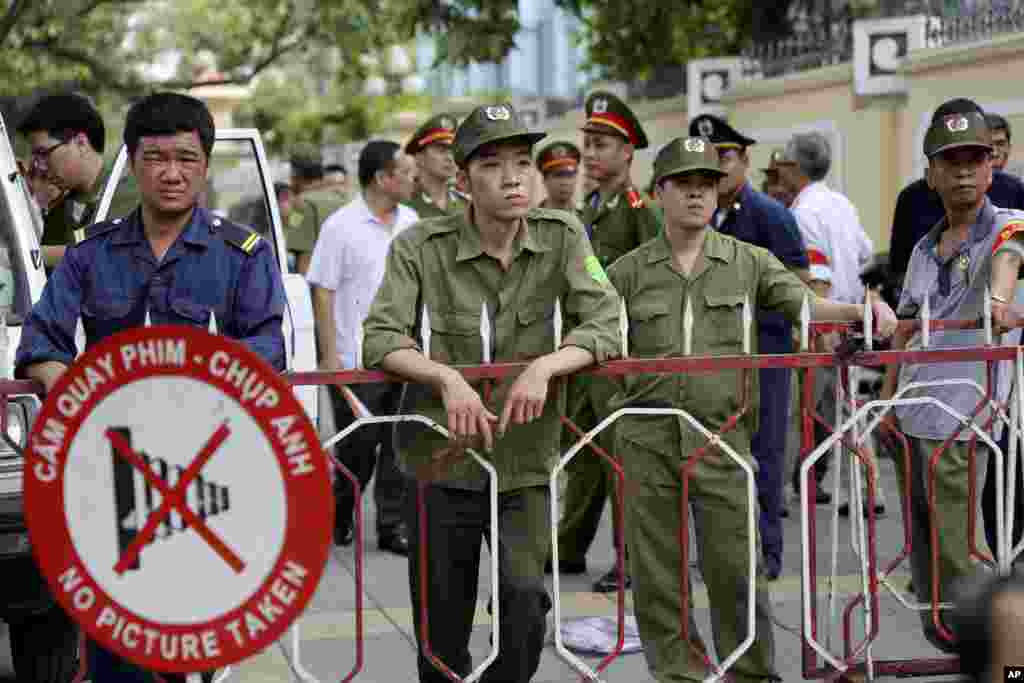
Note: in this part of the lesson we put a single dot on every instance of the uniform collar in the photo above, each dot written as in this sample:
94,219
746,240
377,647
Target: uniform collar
197,232
469,246
715,247
979,231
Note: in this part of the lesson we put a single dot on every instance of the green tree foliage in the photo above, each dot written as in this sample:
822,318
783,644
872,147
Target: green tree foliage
466,30
628,41
310,51
631,41
108,45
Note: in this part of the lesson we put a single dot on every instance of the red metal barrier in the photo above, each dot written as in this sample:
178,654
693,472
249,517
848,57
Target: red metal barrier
708,364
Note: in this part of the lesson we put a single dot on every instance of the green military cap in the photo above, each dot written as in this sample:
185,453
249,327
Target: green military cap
607,114
558,155
307,161
490,123
957,130
439,129
687,155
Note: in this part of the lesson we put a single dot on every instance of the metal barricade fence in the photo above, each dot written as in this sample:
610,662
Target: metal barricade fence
848,434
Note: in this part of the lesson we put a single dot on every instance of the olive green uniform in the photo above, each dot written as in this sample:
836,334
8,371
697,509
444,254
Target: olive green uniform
617,226
437,130
440,263
425,207
307,217
653,448
65,221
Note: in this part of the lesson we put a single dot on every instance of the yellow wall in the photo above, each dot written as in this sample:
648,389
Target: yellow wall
876,141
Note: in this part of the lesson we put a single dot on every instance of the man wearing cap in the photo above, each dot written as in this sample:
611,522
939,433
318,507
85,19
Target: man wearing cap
559,164
755,218
431,146
975,247
617,221
772,186
485,285
919,208
312,204
716,273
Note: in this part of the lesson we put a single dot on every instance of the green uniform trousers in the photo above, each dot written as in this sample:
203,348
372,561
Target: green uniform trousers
458,520
951,508
590,479
718,504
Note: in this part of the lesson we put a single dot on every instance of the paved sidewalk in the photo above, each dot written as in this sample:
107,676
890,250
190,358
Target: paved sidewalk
327,631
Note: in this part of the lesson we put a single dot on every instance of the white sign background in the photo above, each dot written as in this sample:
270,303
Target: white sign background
181,579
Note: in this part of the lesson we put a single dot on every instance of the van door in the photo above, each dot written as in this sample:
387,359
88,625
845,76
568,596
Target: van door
240,189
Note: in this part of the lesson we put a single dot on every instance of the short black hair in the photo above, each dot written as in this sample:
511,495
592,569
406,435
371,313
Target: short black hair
959,105
168,113
335,168
997,122
63,115
378,155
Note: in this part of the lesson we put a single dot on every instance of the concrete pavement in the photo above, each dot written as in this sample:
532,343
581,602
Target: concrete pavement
327,646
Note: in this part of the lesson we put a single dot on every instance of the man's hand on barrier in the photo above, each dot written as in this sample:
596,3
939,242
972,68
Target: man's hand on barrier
525,400
467,414
1006,317
885,318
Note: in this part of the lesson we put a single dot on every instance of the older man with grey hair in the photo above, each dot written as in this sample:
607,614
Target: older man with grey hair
837,246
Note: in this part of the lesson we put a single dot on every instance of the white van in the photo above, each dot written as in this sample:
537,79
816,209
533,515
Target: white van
43,646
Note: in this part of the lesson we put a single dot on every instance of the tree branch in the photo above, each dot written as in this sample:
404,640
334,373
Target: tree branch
95,4
100,71
10,19
241,79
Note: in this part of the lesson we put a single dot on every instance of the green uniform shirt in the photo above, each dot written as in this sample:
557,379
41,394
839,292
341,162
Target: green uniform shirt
619,225
75,211
425,207
655,294
440,262
308,216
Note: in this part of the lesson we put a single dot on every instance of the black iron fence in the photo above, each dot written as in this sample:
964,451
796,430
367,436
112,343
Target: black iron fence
969,21
816,43
812,45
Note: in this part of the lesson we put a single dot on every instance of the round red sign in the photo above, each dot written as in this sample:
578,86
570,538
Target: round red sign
177,498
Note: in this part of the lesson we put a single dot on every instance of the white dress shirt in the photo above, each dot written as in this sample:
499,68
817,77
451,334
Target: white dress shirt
348,259
837,246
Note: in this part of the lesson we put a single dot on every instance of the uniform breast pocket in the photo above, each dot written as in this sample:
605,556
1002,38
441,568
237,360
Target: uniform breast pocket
535,331
651,331
103,316
723,328
185,312
455,338
107,308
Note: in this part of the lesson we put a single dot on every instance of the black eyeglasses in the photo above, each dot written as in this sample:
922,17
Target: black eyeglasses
41,157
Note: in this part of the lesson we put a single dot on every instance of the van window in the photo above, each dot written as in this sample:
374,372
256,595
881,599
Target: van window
16,208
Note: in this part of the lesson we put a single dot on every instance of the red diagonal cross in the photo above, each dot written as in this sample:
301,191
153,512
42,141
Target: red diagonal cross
173,498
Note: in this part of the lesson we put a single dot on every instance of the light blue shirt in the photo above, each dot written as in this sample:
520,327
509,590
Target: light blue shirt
969,271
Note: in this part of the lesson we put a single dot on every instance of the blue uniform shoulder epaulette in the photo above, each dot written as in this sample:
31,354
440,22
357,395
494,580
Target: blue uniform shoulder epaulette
236,235
95,230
